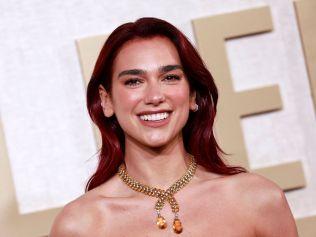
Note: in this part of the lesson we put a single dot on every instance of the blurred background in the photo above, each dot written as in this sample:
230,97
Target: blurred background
48,147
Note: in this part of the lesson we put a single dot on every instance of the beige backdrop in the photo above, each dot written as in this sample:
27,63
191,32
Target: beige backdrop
210,35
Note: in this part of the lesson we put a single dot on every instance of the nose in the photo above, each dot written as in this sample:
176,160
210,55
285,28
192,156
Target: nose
154,94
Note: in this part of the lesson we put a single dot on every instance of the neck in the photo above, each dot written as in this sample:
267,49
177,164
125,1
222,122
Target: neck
156,167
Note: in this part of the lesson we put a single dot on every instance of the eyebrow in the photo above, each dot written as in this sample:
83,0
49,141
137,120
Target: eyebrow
161,69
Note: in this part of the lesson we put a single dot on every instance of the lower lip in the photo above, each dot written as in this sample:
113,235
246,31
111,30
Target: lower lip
157,123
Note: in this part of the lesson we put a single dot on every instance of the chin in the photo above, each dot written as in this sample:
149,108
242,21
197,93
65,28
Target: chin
156,144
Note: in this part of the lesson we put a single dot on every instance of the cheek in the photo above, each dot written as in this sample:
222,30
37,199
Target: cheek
124,100
180,96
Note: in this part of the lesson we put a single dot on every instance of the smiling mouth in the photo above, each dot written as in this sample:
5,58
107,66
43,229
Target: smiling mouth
155,117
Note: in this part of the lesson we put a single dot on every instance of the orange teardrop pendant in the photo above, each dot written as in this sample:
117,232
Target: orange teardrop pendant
177,226
161,222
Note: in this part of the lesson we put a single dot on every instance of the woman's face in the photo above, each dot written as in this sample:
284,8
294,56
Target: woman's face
150,93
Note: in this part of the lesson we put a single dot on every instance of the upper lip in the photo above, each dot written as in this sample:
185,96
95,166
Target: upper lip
154,112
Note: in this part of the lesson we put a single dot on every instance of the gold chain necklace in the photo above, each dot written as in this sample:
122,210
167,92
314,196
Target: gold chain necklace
162,195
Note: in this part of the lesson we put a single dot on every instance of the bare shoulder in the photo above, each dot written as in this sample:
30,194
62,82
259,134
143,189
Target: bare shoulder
266,204
257,192
78,217
251,184
251,190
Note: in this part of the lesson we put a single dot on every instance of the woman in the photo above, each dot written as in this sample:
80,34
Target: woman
160,171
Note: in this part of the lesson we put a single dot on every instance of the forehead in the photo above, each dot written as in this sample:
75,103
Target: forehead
146,54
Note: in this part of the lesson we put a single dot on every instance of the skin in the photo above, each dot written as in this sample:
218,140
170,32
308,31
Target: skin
210,205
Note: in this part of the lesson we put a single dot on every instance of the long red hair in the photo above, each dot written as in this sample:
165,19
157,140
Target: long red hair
198,133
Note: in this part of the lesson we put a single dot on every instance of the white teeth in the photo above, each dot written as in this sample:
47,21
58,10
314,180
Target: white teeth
154,117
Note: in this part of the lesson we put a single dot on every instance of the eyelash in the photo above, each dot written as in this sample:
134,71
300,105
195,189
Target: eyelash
132,82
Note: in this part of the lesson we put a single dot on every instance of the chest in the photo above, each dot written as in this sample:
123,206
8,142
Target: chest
199,217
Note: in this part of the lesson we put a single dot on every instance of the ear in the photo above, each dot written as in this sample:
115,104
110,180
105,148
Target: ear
106,102
192,100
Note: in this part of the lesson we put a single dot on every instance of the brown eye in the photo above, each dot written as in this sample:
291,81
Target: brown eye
132,82
172,78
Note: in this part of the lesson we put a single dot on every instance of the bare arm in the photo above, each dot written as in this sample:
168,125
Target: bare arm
65,225
273,217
